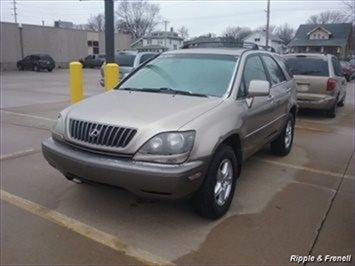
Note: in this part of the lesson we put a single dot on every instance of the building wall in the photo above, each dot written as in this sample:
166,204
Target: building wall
122,41
64,45
171,44
319,35
260,39
10,44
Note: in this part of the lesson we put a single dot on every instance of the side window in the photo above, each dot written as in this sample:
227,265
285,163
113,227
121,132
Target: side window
253,70
276,74
337,67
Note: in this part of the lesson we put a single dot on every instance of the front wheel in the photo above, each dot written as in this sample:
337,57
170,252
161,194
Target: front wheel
215,195
20,67
283,144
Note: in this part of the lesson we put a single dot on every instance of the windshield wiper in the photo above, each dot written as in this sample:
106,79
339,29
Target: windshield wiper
173,91
166,90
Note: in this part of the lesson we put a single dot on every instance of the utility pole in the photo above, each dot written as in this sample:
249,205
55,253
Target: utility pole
165,33
109,32
267,23
15,10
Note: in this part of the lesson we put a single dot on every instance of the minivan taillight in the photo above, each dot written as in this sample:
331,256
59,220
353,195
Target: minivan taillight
331,84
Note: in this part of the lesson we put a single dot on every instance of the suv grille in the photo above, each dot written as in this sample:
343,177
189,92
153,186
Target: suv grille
99,134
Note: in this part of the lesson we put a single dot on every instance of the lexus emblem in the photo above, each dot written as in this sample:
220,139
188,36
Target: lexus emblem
94,133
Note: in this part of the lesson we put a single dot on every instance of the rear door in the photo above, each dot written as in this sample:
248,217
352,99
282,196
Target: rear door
257,125
280,91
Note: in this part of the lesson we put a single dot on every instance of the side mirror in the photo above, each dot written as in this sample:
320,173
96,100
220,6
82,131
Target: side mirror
258,88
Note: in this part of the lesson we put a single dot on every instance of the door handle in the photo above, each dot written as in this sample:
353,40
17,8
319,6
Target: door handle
270,98
288,90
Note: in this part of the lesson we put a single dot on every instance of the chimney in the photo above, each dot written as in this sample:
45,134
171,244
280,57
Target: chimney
171,29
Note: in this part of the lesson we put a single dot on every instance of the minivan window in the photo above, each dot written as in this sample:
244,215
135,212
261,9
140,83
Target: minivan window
46,57
197,73
308,66
337,67
145,57
125,60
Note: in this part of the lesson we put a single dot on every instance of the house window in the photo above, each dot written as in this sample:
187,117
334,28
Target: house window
257,40
149,41
90,43
170,41
95,43
175,47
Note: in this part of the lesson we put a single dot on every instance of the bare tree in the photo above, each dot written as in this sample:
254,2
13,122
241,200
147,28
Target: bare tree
183,32
328,17
137,17
96,23
237,33
285,33
349,9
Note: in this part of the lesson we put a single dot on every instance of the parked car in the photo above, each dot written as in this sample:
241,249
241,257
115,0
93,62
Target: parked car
321,84
180,126
347,70
93,60
36,62
128,61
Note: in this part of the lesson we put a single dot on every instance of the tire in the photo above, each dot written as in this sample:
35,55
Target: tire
225,164
35,68
341,103
50,69
283,144
20,67
331,113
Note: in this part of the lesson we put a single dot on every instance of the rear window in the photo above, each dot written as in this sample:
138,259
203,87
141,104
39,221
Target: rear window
125,60
46,57
307,66
145,57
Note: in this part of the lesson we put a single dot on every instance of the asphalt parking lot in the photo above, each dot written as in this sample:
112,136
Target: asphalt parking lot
302,204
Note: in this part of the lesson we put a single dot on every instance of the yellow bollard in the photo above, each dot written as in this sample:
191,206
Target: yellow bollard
111,72
76,82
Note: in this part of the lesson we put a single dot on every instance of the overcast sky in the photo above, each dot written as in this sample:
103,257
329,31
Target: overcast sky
200,17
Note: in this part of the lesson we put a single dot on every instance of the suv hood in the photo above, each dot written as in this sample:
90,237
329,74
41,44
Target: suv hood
147,111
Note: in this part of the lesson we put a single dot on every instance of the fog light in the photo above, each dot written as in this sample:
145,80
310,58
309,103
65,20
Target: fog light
194,176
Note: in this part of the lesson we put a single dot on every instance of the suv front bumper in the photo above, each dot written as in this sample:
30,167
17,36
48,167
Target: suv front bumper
152,180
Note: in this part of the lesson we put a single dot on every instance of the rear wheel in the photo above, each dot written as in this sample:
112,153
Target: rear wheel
50,69
20,67
341,103
35,68
283,144
331,113
215,195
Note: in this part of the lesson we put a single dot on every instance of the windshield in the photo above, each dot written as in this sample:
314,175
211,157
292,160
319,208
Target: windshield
196,73
308,66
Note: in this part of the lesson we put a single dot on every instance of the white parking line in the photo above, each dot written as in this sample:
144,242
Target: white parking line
18,154
303,168
28,116
83,229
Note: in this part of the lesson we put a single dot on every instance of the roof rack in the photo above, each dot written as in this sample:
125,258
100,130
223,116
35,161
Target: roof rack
220,44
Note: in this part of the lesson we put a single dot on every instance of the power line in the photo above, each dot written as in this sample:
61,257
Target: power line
15,10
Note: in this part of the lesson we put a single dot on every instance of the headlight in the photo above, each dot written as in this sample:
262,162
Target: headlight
172,147
58,128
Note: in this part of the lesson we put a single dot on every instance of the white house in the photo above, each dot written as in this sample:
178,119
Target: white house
160,41
260,39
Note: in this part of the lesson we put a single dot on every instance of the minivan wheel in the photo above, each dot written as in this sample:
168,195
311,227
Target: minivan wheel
283,144
215,195
20,67
331,113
